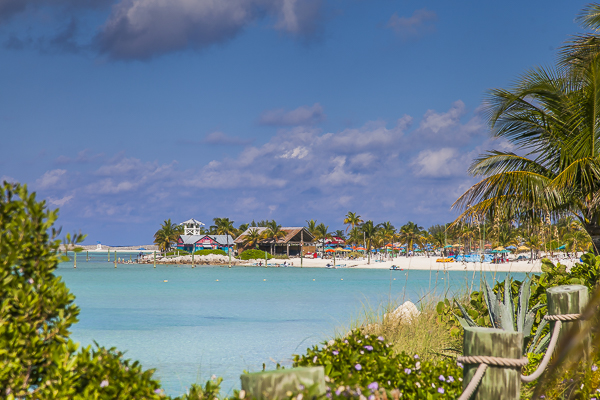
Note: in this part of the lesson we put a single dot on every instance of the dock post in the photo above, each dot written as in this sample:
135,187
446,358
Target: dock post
115,259
498,382
154,258
569,299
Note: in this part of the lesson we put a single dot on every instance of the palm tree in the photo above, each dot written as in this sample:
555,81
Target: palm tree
321,232
352,220
252,238
167,235
369,234
273,232
411,234
551,116
311,226
340,233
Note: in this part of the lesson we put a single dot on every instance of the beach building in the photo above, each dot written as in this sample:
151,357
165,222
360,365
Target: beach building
205,242
297,239
192,227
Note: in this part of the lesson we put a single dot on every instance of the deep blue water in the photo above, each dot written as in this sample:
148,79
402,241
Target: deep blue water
193,326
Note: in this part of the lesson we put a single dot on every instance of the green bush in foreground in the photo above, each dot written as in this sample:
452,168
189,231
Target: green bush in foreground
253,254
37,358
364,364
206,252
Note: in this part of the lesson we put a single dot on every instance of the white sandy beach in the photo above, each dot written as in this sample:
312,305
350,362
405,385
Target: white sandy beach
420,263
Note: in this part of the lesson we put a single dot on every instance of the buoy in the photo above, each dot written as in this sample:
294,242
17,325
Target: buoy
264,280
165,280
394,278
217,280
313,279
342,278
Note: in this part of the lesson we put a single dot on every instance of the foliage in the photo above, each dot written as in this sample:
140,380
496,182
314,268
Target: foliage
205,252
366,363
37,358
253,254
550,118
504,315
210,391
178,252
167,235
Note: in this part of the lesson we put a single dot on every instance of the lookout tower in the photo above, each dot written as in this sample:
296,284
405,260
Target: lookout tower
192,227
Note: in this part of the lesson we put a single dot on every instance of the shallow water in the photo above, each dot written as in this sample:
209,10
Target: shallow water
194,326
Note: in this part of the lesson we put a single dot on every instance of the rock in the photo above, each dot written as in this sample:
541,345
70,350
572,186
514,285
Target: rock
405,312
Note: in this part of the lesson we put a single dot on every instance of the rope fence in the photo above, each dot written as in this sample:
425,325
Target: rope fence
565,298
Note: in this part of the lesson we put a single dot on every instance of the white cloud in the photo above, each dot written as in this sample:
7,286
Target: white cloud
439,163
421,22
51,179
303,115
60,202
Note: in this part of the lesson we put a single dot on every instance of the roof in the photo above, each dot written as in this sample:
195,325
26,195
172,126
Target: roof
191,221
291,232
221,239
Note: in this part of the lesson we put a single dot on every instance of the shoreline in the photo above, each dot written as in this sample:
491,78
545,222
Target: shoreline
403,263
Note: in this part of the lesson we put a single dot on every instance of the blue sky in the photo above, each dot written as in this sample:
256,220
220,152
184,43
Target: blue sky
123,113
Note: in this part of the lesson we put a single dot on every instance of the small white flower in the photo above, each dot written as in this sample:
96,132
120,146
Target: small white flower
104,383
30,281
315,360
362,352
433,385
300,396
417,384
331,342
242,394
418,365
214,377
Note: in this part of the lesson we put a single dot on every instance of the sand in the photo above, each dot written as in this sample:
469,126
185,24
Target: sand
422,263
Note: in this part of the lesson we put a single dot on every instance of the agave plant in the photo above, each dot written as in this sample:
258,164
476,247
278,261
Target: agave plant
503,315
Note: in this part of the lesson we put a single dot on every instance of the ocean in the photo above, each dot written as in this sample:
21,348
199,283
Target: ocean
189,324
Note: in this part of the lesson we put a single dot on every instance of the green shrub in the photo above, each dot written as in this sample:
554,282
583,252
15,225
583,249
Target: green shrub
206,252
253,254
363,364
37,358
178,253
281,257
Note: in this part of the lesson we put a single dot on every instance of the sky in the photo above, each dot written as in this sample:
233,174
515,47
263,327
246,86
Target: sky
123,113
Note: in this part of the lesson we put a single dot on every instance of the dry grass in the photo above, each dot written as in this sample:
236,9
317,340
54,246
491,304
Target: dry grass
422,334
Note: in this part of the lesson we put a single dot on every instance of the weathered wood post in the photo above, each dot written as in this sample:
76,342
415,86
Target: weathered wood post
87,256
154,258
497,382
568,299
270,385
115,259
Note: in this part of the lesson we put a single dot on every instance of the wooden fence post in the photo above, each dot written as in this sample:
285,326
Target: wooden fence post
497,382
568,299
275,384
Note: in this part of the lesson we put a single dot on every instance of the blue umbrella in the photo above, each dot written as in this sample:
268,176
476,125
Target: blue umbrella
562,247
511,247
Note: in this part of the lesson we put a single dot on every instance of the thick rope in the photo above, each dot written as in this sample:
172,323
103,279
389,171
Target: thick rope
466,394
484,361
495,361
550,350
562,317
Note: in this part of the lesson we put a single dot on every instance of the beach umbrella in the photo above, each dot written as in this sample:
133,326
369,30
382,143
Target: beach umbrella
340,249
329,251
447,247
488,245
503,251
510,247
562,247
360,249
523,248
499,248
346,250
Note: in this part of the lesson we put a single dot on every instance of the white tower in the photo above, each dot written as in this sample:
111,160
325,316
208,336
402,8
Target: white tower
191,227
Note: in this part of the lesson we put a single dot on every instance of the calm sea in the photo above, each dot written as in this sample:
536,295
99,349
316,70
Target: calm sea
194,326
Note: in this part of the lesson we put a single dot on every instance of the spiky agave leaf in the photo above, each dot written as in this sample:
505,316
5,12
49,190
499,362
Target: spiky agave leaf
493,305
524,293
466,321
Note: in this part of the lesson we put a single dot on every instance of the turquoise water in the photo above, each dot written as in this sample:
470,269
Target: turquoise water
193,326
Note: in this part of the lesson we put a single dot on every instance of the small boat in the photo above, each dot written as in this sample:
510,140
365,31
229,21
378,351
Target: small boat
396,268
